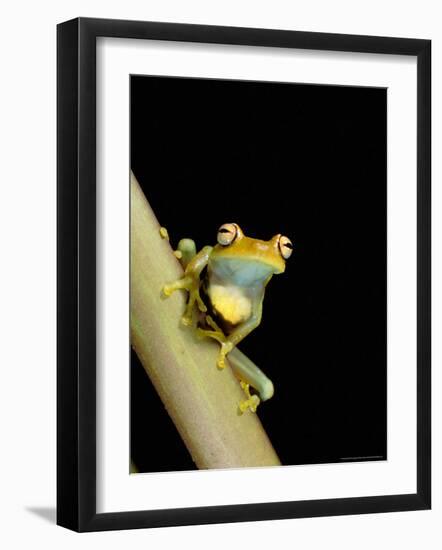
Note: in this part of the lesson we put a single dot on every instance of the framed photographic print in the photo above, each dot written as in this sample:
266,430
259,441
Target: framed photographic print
243,274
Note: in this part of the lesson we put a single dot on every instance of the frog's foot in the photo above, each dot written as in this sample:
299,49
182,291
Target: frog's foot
251,402
226,347
219,336
215,327
191,284
216,333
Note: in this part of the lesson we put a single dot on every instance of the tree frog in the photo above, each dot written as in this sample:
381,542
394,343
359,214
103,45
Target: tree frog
227,284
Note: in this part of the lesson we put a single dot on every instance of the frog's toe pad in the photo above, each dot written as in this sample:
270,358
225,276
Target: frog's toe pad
251,403
186,320
167,291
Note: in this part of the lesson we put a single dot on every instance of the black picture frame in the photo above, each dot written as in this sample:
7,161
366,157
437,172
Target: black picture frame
77,287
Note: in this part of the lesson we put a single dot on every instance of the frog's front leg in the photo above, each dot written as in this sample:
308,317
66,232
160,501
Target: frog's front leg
191,282
241,331
237,334
217,334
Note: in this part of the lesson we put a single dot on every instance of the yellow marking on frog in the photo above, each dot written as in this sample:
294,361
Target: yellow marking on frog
230,302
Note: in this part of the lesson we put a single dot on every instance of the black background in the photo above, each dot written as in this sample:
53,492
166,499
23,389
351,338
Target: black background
308,162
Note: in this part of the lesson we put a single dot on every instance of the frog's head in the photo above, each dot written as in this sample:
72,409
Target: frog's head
266,257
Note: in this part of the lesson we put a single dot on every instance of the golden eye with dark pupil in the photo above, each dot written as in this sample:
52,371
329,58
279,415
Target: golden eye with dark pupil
227,234
285,247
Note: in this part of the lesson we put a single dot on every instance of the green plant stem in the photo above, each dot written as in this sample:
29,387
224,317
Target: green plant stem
201,400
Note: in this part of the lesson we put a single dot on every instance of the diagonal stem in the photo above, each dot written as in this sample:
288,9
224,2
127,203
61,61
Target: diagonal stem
202,401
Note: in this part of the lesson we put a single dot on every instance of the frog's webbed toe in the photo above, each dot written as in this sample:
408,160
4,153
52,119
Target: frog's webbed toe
191,284
251,402
214,332
217,334
226,346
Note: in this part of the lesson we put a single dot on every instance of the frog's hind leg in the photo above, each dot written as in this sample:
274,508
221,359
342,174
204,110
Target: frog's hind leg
250,375
217,334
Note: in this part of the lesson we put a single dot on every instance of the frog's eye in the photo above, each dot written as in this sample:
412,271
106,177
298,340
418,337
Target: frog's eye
227,234
285,247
